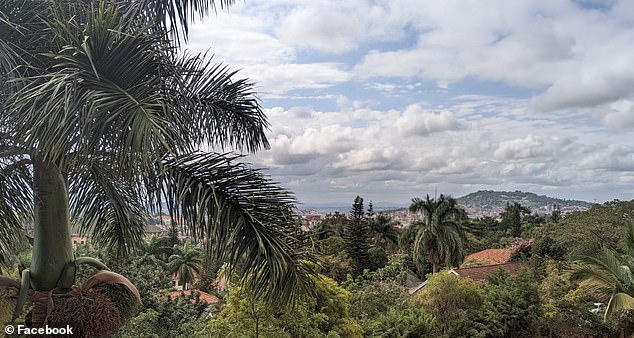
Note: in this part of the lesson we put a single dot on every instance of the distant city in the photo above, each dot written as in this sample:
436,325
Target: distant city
478,204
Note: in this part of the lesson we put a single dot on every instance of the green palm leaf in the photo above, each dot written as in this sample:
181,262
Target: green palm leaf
176,15
245,219
108,207
607,274
16,206
440,237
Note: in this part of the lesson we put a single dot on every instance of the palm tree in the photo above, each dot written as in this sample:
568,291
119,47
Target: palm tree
384,230
608,274
159,247
440,237
102,121
185,263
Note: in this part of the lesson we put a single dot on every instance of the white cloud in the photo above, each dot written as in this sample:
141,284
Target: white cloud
281,78
311,144
339,26
322,27
621,115
415,121
377,159
532,147
613,158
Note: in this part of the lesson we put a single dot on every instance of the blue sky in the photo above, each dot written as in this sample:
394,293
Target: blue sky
391,99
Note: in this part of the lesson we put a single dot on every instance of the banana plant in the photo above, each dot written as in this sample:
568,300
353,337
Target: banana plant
103,121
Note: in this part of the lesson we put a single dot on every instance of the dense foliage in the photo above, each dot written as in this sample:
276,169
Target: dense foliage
541,300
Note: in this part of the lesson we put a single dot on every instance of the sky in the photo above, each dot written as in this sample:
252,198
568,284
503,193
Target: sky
392,99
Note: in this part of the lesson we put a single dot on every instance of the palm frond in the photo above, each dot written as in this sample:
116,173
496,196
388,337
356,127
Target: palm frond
604,273
213,106
102,92
244,218
16,206
176,15
608,275
19,20
618,302
107,207
629,240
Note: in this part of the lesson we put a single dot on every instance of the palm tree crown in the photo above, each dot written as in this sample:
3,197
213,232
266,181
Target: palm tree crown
384,230
440,237
186,262
609,274
102,121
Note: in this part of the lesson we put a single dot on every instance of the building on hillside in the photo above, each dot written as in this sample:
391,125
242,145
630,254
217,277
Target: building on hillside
79,239
310,220
155,230
478,273
204,296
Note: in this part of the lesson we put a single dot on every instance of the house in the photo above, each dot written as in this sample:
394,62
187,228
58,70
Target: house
478,273
204,296
154,230
78,239
310,220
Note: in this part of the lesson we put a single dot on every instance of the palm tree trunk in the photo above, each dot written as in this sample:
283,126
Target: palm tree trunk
52,248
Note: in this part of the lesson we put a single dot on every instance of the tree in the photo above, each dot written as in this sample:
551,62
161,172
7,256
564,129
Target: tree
384,231
159,247
102,120
586,232
565,306
512,218
324,314
357,237
511,308
555,215
331,225
440,237
179,317
185,263
452,300
609,274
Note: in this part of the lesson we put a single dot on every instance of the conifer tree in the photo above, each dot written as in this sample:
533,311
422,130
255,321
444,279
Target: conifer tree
357,237
512,218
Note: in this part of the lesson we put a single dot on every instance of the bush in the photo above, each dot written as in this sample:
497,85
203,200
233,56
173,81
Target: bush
511,307
453,302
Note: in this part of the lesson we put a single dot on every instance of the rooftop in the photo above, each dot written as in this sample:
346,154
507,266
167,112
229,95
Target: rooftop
204,296
480,273
491,256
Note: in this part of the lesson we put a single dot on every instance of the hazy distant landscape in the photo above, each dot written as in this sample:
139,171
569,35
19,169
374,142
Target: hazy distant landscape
480,203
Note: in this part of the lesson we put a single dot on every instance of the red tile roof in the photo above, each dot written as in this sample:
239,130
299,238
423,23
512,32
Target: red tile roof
491,256
477,274
480,273
204,296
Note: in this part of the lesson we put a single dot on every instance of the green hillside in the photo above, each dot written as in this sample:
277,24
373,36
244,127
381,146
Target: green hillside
487,202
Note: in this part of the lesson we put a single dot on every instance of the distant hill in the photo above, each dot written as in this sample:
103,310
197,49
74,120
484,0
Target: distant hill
477,204
491,203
